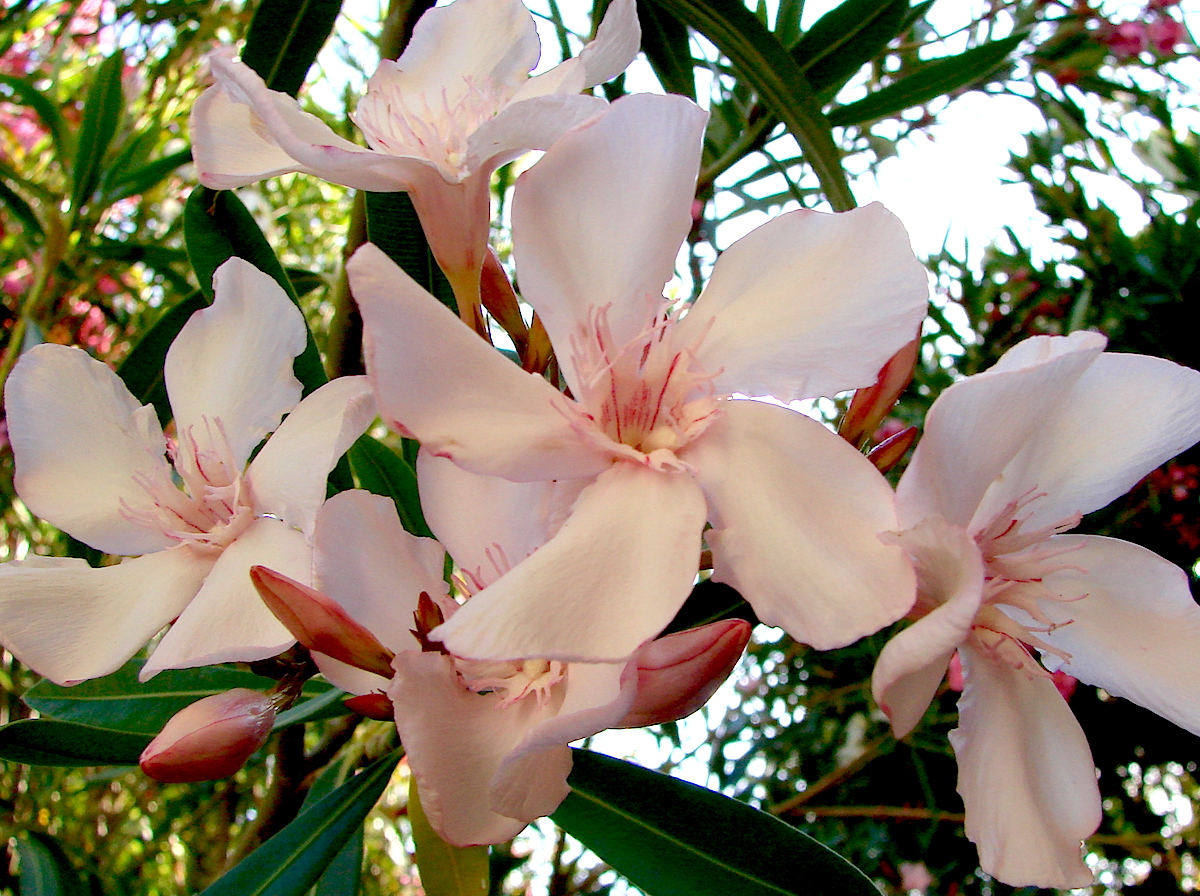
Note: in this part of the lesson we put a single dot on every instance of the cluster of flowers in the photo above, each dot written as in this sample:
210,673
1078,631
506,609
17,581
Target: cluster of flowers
576,518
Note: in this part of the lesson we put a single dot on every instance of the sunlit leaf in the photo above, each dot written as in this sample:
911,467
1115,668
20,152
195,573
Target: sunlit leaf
671,838
446,870
667,46
102,113
937,79
847,37
53,742
292,861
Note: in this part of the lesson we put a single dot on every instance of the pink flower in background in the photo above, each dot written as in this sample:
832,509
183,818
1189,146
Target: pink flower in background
486,740
439,120
651,440
1010,460
90,460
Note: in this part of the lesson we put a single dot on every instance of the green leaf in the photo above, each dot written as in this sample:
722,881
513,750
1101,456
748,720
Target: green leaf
342,876
25,94
292,861
131,183
21,210
393,226
766,65
217,227
671,838
53,742
668,49
102,113
142,369
845,38
285,37
325,705
46,870
446,870
383,471
120,702
936,79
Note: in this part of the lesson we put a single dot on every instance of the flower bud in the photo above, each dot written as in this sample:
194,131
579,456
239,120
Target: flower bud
677,673
212,738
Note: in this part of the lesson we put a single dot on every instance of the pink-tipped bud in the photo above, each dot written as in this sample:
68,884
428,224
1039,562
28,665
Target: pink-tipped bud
891,450
373,706
872,403
319,623
677,673
212,738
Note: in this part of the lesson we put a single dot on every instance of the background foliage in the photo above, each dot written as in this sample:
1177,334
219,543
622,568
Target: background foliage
94,182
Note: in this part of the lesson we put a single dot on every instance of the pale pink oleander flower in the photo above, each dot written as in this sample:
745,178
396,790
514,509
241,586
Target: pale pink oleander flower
457,104
94,462
1010,460
486,740
809,304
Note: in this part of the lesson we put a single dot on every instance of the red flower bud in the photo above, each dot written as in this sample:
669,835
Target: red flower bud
212,738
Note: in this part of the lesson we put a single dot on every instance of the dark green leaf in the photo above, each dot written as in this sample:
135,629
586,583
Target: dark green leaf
845,38
938,78
766,65
102,113
341,878
142,369
392,225
382,471
285,37
131,183
21,210
711,602
668,49
51,742
671,838
120,702
217,227
25,94
46,870
292,861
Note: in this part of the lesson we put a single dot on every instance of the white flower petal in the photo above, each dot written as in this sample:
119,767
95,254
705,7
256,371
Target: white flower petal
489,524
227,620
455,741
595,696
287,478
808,304
978,425
1026,776
796,515
612,577
232,362
70,622
1134,629
598,221
913,663
375,570
81,443
1121,418
437,381
534,123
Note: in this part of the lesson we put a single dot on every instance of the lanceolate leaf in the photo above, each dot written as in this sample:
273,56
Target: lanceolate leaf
936,79
382,471
292,861
21,210
216,227
847,37
101,117
25,94
671,838
285,37
51,742
341,877
45,868
122,703
667,46
771,71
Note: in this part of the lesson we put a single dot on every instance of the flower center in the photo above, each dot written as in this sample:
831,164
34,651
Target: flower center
215,505
1016,565
435,126
647,394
